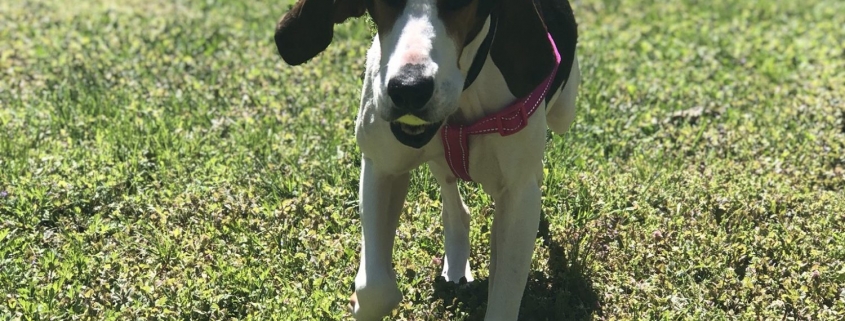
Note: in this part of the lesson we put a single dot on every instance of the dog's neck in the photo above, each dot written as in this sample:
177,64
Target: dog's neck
471,48
489,92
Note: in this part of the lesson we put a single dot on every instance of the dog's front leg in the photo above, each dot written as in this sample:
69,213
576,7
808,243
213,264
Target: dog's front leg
512,245
455,226
382,196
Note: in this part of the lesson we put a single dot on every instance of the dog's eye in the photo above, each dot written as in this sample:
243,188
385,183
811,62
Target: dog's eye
452,5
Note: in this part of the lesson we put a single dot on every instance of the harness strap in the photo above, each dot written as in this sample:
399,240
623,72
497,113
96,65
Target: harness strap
506,122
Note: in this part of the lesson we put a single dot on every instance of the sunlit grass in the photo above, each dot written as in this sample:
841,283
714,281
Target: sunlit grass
159,161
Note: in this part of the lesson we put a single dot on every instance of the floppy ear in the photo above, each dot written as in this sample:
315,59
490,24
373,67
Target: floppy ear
307,29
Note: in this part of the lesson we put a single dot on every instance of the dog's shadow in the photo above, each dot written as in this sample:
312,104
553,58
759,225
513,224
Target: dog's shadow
563,291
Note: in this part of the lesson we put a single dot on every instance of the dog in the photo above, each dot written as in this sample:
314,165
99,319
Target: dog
468,87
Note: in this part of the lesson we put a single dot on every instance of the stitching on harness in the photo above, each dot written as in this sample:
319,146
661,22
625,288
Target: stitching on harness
500,127
514,116
482,122
545,91
484,131
448,149
463,153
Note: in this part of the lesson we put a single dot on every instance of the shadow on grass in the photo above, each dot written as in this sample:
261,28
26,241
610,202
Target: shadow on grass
563,292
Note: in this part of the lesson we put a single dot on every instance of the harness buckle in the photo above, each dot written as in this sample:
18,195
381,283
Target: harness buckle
523,114
500,126
523,121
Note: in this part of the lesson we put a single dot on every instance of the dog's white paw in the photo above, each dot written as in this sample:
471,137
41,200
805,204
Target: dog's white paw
454,274
371,303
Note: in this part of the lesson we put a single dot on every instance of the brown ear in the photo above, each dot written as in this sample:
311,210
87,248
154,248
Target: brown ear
307,29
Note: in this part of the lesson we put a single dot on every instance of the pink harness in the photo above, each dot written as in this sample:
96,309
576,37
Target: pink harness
506,122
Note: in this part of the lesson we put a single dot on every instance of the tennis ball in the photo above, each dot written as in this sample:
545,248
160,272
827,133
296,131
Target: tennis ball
412,120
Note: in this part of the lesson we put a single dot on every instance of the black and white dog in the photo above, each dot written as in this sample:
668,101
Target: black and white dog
455,84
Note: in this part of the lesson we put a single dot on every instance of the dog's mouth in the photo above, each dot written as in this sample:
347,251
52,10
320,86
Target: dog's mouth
415,136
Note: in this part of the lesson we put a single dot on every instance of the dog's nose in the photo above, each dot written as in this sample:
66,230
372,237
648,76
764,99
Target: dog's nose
410,90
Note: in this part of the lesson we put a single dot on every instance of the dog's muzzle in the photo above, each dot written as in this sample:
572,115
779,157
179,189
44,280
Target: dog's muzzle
411,90
415,136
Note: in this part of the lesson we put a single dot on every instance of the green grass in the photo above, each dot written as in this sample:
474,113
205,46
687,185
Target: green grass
159,161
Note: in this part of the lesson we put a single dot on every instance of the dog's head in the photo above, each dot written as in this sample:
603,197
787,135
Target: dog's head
419,79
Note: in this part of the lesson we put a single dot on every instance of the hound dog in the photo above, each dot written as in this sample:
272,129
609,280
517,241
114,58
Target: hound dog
456,84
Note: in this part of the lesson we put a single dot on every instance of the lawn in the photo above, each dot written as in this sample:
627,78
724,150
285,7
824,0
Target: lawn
158,160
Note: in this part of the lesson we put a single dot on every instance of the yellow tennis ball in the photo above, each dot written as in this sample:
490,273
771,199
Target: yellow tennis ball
412,120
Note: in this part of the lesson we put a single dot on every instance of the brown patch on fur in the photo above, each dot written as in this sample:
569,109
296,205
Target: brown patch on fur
384,14
462,24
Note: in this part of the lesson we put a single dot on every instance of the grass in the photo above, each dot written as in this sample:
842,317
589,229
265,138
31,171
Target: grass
159,161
